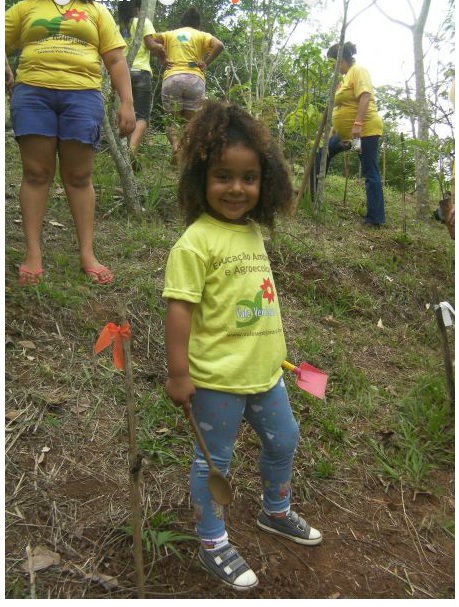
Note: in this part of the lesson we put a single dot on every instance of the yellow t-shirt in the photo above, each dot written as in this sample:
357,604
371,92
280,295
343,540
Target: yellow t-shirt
237,342
61,45
185,46
355,82
142,59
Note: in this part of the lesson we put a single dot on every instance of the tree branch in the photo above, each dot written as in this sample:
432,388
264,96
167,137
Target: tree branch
410,27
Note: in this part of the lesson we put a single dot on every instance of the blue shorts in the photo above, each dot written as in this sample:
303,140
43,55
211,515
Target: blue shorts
72,114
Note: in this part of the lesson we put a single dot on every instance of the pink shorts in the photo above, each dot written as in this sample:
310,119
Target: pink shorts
183,92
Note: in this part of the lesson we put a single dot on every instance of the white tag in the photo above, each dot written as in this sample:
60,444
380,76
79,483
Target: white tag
446,311
61,2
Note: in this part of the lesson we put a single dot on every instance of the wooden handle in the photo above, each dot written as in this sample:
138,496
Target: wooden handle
200,439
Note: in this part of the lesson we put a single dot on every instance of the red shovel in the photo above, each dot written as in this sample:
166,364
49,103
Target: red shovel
308,378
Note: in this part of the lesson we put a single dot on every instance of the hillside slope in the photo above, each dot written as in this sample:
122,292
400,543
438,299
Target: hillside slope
375,466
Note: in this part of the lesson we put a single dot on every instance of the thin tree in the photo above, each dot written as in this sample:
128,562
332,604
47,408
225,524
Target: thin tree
317,201
119,148
422,109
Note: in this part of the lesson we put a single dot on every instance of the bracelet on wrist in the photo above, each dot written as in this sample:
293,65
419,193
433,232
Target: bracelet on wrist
357,123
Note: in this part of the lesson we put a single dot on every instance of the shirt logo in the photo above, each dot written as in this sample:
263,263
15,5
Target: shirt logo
250,312
53,26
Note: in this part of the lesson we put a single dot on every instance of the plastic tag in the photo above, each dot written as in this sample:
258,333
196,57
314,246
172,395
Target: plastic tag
446,311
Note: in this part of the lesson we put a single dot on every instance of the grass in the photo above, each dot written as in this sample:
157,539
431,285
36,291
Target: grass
157,537
354,305
422,435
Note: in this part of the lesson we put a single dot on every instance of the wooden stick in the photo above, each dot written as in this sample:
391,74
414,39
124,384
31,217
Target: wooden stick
446,353
135,466
346,174
445,349
29,551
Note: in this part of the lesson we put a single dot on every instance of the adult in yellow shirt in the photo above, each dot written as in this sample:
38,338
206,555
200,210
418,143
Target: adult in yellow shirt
57,111
355,117
141,73
189,51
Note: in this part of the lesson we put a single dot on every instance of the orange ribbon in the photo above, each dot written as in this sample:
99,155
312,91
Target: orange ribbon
112,332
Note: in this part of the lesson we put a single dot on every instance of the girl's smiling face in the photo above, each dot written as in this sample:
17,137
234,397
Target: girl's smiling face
233,184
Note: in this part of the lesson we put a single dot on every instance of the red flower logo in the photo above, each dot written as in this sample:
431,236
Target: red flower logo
75,15
268,290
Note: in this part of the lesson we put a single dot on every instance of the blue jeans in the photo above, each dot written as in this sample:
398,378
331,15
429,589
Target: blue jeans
370,171
219,415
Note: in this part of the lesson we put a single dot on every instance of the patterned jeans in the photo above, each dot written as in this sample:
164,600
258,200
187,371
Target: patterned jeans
219,416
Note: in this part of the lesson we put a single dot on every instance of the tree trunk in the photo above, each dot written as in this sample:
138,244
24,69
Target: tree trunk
421,158
318,198
422,113
120,154
119,148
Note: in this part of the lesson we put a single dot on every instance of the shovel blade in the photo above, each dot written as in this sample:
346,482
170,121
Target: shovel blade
312,380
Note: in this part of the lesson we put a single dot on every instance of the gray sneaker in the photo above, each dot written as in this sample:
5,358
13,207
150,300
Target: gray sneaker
227,564
291,526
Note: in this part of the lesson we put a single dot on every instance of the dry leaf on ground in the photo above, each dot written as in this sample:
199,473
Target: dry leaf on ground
41,558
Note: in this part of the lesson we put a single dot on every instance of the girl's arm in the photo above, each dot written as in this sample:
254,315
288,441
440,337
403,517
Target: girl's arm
179,386
116,65
9,78
156,48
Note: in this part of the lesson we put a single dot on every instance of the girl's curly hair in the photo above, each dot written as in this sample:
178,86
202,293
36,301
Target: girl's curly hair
214,128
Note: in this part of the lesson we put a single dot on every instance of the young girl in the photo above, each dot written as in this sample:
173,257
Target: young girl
224,337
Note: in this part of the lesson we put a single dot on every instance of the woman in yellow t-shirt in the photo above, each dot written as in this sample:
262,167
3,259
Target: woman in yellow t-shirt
141,73
189,51
57,110
355,118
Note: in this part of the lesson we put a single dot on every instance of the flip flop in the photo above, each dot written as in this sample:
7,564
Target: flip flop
27,277
95,275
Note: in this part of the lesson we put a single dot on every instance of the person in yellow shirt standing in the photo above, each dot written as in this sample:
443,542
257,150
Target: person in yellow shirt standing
189,51
141,73
57,111
355,119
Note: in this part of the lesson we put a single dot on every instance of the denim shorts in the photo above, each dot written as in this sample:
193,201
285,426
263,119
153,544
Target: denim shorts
142,88
183,92
65,114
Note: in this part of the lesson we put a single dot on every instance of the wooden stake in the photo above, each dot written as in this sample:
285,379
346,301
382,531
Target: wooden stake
346,175
445,349
135,467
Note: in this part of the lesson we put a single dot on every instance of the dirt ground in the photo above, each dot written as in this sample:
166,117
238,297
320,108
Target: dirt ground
70,495
371,548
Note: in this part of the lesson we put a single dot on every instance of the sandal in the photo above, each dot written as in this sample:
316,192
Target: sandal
96,275
28,277
228,565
